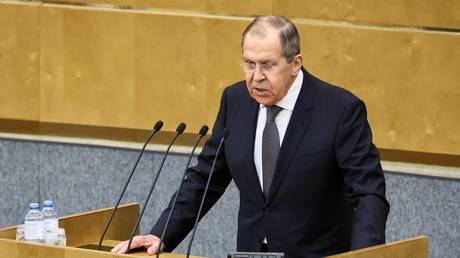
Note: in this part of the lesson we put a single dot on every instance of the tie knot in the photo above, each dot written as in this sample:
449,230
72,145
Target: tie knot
272,111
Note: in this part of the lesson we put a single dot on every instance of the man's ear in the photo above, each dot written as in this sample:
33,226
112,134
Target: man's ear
297,64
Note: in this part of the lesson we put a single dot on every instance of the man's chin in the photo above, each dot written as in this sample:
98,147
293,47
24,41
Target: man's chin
266,101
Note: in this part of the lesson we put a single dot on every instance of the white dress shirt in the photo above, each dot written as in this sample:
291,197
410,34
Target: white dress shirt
281,120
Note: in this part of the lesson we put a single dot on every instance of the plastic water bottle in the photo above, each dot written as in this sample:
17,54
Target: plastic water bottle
50,215
33,224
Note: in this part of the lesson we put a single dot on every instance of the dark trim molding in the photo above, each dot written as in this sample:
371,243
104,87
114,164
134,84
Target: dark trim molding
187,139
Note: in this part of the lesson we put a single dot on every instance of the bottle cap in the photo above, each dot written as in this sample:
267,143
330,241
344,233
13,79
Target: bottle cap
34,205
48,203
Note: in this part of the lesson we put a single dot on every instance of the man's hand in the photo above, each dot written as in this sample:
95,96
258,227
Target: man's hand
150,242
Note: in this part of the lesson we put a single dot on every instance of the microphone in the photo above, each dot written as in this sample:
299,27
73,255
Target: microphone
180,129
225,133
156,128
201,134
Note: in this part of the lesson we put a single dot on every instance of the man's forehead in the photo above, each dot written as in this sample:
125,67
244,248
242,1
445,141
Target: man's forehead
256,45
263,30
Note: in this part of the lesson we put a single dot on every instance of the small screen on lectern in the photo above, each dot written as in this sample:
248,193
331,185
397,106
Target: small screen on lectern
255,255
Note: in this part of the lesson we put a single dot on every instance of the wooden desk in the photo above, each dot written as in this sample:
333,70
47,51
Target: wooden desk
81,229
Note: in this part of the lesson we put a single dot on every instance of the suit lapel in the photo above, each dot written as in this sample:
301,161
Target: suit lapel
297,127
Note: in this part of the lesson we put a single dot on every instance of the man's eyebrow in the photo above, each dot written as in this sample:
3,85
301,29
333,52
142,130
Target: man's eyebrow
263,61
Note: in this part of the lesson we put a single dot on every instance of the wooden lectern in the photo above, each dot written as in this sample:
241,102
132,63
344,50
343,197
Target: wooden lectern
84,229
81,229
416,247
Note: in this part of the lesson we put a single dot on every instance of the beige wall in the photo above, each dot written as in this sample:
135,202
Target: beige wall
19,61
108,67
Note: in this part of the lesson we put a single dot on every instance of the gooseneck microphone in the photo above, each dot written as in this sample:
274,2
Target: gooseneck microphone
180,129
225,133
156,128
201,134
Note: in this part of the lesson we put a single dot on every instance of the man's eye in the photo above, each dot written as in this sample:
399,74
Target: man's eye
267,66
249,64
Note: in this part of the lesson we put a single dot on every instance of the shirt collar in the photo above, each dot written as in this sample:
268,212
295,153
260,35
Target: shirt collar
289,100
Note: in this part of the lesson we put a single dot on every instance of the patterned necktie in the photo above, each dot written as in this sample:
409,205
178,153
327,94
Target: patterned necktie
270,147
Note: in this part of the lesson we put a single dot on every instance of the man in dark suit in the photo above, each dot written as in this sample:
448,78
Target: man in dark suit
300,152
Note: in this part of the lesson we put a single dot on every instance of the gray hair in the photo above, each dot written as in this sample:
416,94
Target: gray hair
289,37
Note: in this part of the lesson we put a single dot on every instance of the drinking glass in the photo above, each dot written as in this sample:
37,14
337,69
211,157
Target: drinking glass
55,236
20,235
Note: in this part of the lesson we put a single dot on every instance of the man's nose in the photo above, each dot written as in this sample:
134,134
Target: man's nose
258,74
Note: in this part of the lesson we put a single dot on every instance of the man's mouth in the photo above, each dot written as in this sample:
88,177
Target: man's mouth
260,91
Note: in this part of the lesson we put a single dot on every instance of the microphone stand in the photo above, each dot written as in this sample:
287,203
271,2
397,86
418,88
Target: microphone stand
156,128
224,135
201,134
180,129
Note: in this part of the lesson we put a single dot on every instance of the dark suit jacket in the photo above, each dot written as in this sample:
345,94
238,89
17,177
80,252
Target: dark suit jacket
328,191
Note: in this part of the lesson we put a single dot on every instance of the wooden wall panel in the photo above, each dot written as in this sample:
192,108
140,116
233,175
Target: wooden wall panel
170,71
240,7
125,68
421,13
190,5
88,67
52,87
137,69
19,61
230,7
424,13
224,60
409,81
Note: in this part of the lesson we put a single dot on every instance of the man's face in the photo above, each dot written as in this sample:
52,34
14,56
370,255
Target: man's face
268,75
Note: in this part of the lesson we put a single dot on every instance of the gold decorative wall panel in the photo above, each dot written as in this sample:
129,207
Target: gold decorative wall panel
125,69
87,67
191,5
171,70
419,13
19,61
224,59
230,7
409,81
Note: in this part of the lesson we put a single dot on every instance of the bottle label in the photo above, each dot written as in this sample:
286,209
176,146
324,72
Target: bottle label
33,230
